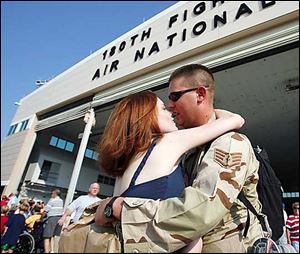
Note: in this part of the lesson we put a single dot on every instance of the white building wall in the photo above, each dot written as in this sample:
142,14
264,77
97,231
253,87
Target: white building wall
77,82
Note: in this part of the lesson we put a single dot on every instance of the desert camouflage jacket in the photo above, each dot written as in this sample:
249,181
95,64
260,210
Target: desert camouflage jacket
208,208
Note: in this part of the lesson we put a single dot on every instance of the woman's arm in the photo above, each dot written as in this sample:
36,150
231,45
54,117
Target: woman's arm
100,218
186,139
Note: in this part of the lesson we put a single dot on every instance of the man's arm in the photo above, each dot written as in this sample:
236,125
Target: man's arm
168,225
288,236
69,210
67,213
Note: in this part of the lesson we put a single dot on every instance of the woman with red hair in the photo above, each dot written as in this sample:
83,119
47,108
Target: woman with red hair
142,147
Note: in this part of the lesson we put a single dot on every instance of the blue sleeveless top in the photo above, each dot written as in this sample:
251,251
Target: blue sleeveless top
163,187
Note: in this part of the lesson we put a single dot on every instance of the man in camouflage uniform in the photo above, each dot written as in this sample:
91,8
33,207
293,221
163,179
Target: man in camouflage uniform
208,208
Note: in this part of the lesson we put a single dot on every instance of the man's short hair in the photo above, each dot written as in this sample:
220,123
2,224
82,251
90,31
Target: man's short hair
190,70
196,75
57,192
94,184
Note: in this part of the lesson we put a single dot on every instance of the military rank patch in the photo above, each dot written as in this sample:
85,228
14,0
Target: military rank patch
226,160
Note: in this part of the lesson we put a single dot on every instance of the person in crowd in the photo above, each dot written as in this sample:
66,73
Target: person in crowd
28,212
4,200
145,150
41,205
54,209
15,227
283,238
36,216
4,217
79,204
292,225
32,204
12,210
208,207
13,200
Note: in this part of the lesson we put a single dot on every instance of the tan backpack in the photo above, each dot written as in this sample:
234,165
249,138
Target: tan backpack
85,236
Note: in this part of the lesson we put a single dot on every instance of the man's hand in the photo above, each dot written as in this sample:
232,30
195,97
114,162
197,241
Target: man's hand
101,219
61,221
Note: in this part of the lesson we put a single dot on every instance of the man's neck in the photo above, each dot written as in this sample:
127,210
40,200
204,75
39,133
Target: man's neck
212,117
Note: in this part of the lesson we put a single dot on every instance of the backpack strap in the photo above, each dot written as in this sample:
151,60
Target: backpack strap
142,164
194,158
261,217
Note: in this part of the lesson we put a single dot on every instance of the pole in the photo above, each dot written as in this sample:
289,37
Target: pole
89,119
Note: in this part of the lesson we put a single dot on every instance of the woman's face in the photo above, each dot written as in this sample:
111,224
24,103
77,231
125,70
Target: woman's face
165,119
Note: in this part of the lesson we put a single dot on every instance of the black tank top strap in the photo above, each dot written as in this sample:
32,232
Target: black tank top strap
143,162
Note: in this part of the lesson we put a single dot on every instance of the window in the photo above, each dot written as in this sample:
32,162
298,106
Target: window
100,179
62,144
106,180
290,195
95,156
69,146
53,141
12,129
50,172
45,170
91,154
112,181
24,125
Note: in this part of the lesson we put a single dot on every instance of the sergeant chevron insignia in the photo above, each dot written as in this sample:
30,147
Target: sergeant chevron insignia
228,160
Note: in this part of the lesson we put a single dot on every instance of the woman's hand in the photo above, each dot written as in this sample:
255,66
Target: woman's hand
101,219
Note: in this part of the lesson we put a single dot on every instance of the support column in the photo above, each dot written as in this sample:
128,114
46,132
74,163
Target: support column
89,119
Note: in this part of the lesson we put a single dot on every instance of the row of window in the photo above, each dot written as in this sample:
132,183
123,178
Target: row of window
106,180
290,195
89,153
62,144
69,146
14,128
49,172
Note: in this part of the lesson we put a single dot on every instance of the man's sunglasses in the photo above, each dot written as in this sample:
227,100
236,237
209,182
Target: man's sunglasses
175,96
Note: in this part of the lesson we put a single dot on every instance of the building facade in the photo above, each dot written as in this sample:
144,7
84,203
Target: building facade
251,46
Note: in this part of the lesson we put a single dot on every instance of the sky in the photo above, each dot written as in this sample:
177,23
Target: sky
41,39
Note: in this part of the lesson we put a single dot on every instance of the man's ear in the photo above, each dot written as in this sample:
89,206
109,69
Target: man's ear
201,94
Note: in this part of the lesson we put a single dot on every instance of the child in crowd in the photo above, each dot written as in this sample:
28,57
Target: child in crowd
15,227
28,212
35,217
4,218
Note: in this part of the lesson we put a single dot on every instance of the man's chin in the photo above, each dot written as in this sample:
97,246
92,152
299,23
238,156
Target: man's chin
179,125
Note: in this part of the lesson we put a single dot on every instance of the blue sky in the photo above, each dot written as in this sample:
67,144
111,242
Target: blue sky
41,39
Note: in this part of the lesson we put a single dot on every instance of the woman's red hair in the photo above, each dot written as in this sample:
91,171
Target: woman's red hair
129,131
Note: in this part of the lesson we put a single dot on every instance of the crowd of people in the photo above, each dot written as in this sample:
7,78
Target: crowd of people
179,182
16,217
35,217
